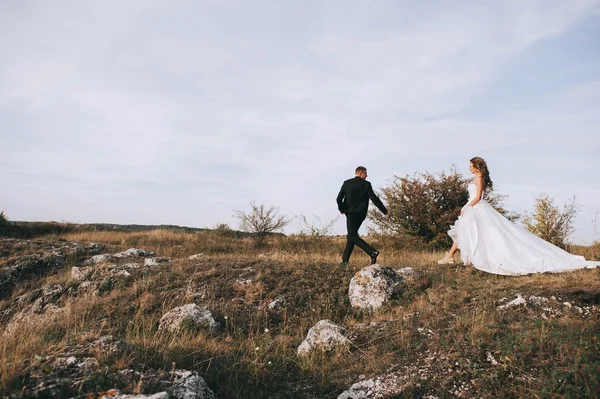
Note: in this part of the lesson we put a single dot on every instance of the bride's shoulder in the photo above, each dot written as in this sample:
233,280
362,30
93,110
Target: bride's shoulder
477,179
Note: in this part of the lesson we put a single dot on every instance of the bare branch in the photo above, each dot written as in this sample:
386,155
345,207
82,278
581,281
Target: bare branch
261,220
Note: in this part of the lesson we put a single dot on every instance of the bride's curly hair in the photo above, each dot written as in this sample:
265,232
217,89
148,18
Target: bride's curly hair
481,166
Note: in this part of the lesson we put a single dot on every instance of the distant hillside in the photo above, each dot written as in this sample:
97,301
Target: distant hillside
21,229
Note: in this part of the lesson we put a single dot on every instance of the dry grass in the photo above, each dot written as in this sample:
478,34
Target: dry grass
255,353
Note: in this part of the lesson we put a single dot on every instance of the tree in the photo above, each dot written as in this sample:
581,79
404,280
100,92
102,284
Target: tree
549,222
425,205
4,224
261,220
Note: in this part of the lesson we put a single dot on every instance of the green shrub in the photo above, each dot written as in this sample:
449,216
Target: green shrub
4,224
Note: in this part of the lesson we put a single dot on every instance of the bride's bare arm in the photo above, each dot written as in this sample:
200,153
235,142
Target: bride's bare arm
479,184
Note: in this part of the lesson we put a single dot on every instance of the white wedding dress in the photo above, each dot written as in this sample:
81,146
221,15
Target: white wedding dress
496,245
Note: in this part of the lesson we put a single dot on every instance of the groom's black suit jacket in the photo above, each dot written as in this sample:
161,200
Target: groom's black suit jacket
354,197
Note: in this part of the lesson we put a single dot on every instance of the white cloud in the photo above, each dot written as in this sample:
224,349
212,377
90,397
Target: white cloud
222,102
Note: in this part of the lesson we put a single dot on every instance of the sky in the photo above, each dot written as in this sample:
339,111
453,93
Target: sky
181,112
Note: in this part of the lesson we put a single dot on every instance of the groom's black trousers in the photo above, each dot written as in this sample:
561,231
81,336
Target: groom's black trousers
353,222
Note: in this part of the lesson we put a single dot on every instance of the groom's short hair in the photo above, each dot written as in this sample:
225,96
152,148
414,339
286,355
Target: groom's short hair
360,169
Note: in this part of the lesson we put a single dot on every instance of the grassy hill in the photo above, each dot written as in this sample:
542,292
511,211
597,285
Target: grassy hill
448,337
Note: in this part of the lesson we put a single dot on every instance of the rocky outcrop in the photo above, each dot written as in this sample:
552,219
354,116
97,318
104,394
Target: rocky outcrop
77,370
31,258
38,305
400,377
130,253
26,267
97,278
74,368
549,307
101,275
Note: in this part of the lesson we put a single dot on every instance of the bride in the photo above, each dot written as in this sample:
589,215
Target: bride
496,245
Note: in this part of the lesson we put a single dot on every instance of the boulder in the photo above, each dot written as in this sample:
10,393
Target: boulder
324,335
372,286
188,316
179,384
189,385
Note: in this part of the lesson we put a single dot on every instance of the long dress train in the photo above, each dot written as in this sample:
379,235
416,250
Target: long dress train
496,245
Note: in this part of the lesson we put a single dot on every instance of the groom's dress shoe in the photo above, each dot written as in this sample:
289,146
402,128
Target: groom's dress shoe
374,256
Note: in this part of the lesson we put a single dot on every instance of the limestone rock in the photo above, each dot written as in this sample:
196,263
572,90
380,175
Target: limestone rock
98,259
131,252
81,273
188,316
189,385
84,365
112,394
407,273
372,286
276,303
24,267
109,345
156,261
383,386
518,301
180,384
325,335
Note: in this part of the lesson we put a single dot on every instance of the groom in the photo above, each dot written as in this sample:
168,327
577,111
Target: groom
353,201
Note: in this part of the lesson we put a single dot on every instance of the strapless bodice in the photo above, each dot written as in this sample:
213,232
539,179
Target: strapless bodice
472,188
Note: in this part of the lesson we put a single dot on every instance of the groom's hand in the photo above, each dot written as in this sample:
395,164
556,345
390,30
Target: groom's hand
388,215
